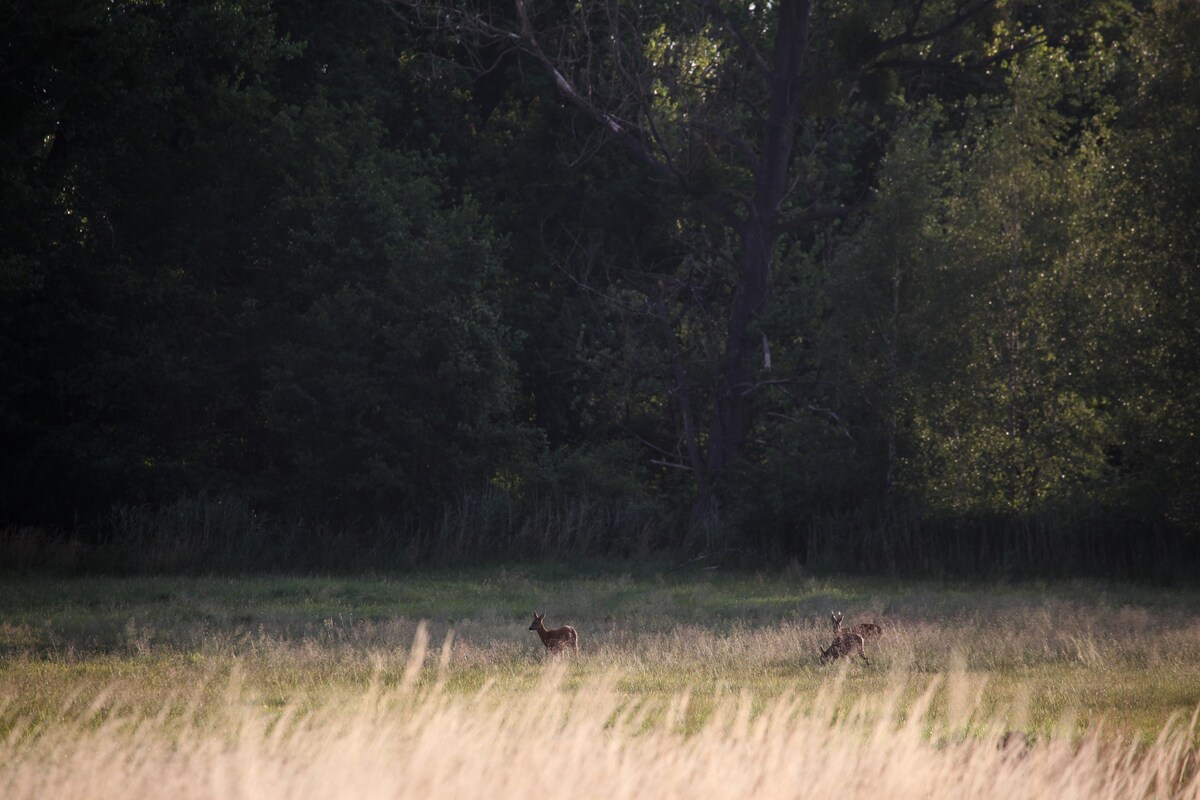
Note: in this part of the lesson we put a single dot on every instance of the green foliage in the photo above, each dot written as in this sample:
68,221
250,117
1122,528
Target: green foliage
1144,247
980,343
394,374
117,228
968,327
274,253
1008,424
232,279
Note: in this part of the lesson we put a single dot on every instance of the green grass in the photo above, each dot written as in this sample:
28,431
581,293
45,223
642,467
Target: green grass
1044,657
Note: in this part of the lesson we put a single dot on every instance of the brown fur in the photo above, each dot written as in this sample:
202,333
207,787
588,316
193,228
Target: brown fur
869,631
556,640
844,645
846,642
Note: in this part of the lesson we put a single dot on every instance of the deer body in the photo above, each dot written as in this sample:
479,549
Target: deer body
844,645
850,640
556,640
869,631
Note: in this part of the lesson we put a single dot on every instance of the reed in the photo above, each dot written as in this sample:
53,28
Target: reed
413,738
1047,544
226,534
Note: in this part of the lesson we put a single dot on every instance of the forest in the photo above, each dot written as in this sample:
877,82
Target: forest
883,286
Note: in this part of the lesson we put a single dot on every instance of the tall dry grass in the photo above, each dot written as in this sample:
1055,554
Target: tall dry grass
413,738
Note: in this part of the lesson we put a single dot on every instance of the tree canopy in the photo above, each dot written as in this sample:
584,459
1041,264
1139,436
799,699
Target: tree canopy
905,284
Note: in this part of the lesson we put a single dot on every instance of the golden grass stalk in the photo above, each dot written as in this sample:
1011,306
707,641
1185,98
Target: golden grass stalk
415,739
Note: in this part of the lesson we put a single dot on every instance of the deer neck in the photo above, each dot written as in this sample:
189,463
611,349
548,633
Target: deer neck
543,633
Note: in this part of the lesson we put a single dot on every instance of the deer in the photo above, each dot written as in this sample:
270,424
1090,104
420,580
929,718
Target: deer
869,631
556,640
844,644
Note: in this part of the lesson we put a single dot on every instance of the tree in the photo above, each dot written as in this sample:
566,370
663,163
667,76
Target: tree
222,270
389,388
128,168
1143,246
737,108
1012,329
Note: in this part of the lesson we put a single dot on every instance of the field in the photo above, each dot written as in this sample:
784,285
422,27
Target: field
687,685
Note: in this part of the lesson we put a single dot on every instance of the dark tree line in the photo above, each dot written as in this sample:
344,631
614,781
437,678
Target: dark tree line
900,284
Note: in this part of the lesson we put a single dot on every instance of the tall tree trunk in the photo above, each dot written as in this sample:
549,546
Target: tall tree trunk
624,110
733,402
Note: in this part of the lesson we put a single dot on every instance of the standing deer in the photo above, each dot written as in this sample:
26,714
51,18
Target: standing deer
844,645
555,639
869,631
845,642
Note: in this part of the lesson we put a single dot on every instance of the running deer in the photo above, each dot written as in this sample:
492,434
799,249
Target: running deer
842,645
555,639
869,631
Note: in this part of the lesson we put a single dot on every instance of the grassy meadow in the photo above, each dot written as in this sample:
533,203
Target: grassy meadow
689,684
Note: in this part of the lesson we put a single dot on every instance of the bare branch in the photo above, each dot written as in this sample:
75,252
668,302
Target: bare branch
731,27
948,65
800,219
683,386
748,389
963,13
820,411
671,464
